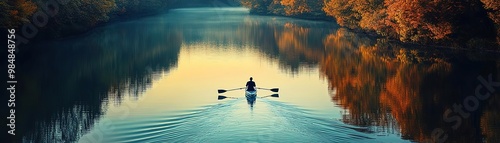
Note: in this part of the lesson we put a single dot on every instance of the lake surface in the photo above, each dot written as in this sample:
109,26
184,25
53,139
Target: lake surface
155,79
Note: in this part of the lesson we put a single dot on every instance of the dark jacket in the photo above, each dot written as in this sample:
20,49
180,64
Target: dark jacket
250,86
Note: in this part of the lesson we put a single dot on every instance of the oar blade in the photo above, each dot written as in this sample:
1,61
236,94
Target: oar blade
275,89
275,95
221,97
221,91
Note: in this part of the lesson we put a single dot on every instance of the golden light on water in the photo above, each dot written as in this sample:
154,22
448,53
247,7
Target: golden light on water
202,70
156,79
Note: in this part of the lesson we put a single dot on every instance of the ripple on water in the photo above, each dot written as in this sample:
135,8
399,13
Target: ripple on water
235,121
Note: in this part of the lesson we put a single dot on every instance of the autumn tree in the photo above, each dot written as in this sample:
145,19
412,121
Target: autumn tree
140,6
16,12
257,6
493,9
418,20
366,14
78,16
295,6
343,12
415,21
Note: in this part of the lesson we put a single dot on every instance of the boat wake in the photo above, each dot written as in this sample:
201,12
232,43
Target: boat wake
233,121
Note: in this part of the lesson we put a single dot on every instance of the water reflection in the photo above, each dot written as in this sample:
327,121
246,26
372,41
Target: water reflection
251,100
386,87
378,89
295,43
390,87
71,82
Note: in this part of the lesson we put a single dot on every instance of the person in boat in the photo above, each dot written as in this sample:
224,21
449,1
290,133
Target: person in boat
250,85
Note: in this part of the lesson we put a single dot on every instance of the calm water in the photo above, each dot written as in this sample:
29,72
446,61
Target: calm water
155,79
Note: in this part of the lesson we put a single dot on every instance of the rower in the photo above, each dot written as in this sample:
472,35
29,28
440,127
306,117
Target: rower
250,85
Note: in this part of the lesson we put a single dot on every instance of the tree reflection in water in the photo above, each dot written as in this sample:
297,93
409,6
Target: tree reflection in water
391,87
71,83
394,88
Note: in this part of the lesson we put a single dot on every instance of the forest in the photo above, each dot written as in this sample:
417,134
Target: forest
472,23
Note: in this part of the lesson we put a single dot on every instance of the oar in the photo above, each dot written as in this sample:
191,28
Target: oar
272,89
224,97
220,97
273,95
222,90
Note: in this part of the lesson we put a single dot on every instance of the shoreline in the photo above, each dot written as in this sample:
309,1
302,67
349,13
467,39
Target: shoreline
123,18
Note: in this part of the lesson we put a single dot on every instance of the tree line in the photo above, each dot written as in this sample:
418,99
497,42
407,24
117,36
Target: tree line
81,15
420,21
76,15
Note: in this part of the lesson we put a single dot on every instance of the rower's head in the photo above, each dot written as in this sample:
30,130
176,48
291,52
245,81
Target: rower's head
251,78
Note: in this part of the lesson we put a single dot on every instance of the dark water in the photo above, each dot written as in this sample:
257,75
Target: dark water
155,79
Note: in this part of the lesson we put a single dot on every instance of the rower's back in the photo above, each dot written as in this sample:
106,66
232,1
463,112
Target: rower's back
250,85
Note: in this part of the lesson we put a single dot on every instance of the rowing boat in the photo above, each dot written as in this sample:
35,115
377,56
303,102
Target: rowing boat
251,97
251,93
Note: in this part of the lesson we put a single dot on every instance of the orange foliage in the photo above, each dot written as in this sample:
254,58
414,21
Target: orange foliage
343,12
14,12
377,92
401,94
418,20
295,6
376,83
28,7
493,8
345,67
290,41
18,12
366,14
490,127
404,17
